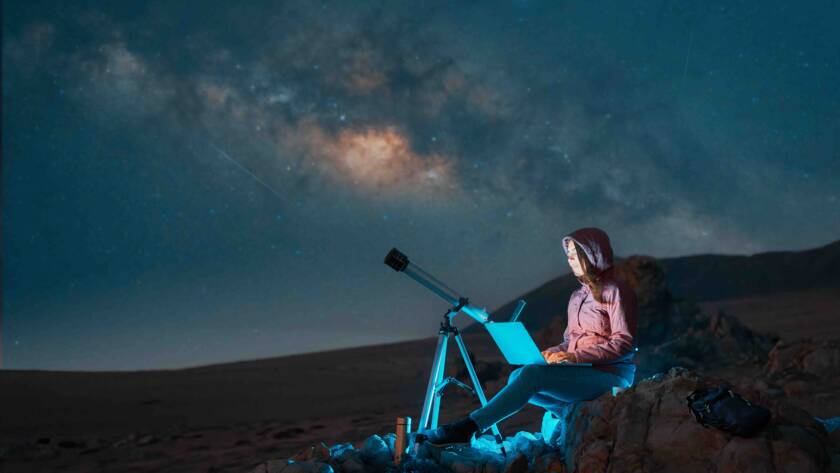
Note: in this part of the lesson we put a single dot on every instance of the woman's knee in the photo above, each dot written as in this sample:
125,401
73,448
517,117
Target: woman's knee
528,373
514,374
532,370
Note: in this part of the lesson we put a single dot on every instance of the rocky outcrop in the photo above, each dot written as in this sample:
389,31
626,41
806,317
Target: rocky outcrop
646,428
821,359
806,372
707,342
660,316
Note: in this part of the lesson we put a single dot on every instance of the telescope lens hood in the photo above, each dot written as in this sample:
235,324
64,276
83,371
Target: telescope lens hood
396,260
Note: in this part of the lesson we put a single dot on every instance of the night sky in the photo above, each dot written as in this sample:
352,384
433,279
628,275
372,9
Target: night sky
196,182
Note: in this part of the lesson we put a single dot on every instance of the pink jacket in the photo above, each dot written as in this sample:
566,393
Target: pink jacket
601,333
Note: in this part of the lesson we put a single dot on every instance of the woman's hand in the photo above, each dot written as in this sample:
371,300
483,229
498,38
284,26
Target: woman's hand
560,356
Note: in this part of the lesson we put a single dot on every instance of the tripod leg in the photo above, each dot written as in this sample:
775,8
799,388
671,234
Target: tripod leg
476,384
439,360
439,382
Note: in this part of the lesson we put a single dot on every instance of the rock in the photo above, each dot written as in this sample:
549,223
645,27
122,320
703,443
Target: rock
130,438
376,452
594,457
745,456
789,458
649,428
821,359
347,458
352,465
550,462
518,465
659,318
465,460
390,439
527,444
342,451
714,340
147,440
796,387
424,465
428,452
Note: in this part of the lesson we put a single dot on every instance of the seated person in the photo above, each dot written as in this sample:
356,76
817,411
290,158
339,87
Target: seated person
600,329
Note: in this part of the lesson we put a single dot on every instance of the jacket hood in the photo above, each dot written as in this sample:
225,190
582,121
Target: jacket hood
595,243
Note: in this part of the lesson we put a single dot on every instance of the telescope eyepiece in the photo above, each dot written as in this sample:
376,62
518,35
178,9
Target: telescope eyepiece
396,259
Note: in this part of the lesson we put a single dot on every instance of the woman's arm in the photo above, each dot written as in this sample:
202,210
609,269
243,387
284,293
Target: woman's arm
622,308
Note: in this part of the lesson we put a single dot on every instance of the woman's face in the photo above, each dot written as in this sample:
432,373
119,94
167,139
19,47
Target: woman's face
573,259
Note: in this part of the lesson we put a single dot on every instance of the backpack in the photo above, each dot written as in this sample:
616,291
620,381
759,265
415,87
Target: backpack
719,407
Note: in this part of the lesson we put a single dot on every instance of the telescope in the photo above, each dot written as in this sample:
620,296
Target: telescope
400,263
434,389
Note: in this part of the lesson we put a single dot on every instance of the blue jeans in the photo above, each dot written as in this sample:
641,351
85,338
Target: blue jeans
550,387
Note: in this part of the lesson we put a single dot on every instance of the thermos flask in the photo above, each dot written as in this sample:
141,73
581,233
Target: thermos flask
400,442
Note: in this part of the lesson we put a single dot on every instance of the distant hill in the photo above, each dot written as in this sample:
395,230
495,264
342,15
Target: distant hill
701,278
712,277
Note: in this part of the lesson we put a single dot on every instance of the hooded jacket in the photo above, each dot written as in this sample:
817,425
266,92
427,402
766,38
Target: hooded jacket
601,333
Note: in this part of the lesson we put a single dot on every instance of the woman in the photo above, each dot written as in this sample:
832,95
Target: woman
600,330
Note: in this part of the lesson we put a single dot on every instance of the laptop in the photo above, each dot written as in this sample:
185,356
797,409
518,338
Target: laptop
517,345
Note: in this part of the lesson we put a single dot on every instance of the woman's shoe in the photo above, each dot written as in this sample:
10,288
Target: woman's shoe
454,433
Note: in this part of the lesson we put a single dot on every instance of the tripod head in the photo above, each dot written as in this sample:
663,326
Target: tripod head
400,263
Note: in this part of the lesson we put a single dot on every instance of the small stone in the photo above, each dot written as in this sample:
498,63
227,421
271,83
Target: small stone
352,465
147,440
518,465
375,451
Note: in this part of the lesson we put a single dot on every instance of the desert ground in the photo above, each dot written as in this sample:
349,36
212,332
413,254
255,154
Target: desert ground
231,417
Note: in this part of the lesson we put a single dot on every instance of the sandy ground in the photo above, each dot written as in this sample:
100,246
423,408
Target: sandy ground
231,417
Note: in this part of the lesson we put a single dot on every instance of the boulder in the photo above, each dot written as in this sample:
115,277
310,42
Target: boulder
807,373
708,341
658,319
376,453
821,359
648,428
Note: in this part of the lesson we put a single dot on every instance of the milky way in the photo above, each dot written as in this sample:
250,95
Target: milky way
196,183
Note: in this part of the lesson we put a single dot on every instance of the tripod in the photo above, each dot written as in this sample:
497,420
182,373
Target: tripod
434,390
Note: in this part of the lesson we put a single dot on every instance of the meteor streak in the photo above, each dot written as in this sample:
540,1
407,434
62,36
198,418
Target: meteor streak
248,171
